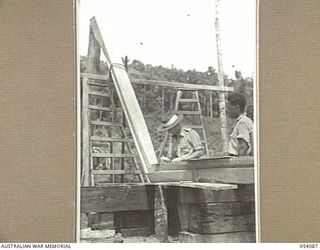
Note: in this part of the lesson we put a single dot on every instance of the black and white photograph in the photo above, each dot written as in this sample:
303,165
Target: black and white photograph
167,121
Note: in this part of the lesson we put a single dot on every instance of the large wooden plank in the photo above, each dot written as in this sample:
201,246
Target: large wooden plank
191,195
116,198
197,185
181,85
165,83
242,237
210,162
220,217
134,219
128,101
244,175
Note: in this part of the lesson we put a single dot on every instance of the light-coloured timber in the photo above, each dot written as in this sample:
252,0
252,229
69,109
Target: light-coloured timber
129,102
233,175
241,237
85,129
222,97
208,163
165,83
160,215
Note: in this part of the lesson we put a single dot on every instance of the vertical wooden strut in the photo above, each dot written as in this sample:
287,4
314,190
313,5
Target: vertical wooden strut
222,98
129,102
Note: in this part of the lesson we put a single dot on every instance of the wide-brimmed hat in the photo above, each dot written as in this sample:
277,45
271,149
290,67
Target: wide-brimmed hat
170,123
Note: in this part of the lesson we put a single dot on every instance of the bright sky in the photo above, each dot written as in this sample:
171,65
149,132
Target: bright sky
178,32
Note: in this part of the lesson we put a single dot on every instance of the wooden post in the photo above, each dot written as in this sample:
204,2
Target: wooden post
160,215
85,133
222,99
210,109
162,102
93,64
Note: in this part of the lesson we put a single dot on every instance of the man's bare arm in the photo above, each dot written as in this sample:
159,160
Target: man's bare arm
243,147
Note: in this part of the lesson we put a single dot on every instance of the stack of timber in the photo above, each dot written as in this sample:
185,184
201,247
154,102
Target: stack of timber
237,170
221,216
131,207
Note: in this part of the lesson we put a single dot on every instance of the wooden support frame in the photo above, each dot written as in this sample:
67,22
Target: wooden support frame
128,101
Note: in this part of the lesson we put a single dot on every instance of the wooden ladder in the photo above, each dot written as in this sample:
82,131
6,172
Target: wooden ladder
188,104
111,158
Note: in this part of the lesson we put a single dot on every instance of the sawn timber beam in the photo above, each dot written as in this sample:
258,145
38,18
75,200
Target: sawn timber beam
165,83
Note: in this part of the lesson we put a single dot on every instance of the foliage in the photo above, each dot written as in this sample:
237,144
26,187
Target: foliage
155,101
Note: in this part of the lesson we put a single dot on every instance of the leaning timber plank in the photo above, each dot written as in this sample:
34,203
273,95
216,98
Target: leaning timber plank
242,237
216,162
116,198
221,217
191,195
224,175
111,172
128,101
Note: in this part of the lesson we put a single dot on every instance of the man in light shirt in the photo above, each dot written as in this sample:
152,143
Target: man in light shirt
185,142
241,139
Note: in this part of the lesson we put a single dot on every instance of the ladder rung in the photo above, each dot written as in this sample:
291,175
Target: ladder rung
99,84
110,172
193,126
96,93
96,76
188,100
108,139
109,155
102,123
185,112
103,108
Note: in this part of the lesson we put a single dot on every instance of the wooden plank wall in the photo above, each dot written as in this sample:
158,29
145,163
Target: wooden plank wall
217,216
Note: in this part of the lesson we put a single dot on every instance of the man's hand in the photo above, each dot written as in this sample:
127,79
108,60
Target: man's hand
164,159
176,160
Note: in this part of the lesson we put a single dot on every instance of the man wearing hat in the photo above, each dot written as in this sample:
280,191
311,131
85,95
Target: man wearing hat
186,143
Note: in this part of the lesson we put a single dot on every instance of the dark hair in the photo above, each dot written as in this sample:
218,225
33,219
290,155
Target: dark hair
238,99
